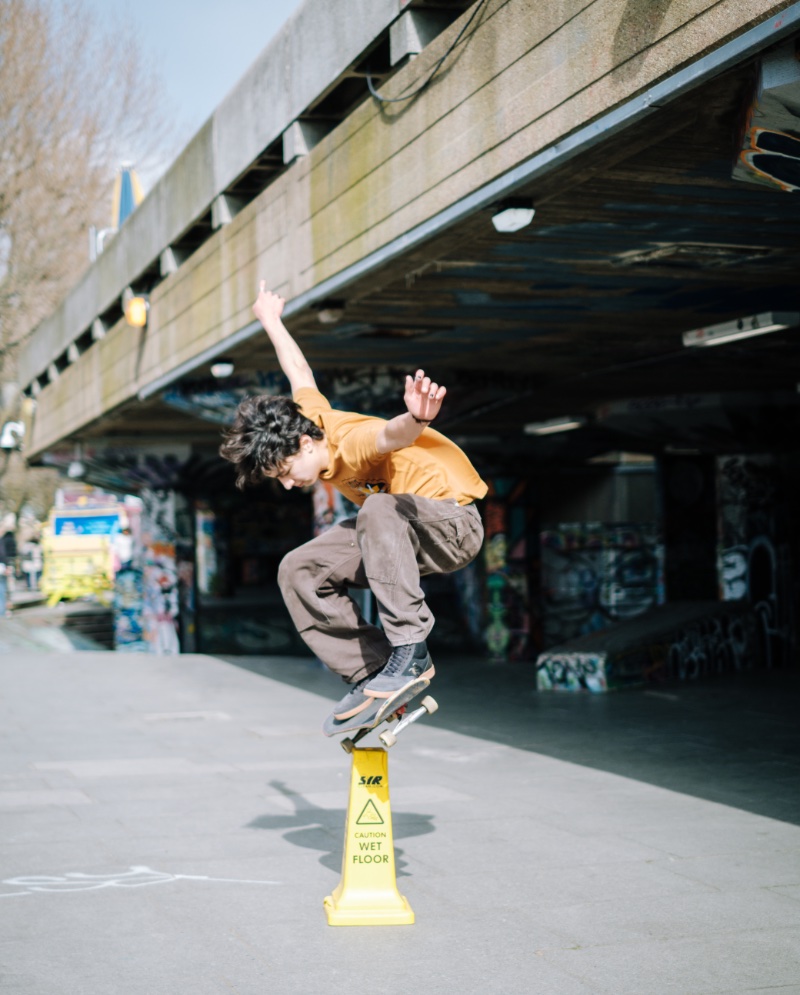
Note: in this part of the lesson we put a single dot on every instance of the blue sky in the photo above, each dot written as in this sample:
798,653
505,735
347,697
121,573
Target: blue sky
202,47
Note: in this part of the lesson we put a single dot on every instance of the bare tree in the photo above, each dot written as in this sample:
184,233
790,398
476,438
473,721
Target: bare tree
75,100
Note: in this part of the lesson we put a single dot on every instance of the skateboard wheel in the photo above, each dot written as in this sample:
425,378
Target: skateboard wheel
347,745
429,704
388,738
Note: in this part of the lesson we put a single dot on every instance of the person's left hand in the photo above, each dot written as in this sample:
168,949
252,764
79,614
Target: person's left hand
423,397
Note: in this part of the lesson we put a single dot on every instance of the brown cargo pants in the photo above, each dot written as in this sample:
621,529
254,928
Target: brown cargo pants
394,540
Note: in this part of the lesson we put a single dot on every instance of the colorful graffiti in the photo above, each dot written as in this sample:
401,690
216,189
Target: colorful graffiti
717,640
505,521
128,606
146,592
330,507
769,151
754,549
596,574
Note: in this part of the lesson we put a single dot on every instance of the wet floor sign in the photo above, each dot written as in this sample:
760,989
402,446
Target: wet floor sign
367,895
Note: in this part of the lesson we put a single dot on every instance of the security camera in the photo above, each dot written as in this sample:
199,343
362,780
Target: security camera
12,435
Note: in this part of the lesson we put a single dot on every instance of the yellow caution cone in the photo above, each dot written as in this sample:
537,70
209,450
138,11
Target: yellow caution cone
367,895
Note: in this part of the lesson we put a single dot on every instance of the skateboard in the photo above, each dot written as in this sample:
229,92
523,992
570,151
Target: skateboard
395,710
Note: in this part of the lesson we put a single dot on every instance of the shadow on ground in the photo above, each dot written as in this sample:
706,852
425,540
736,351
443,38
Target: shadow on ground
732,739
322,829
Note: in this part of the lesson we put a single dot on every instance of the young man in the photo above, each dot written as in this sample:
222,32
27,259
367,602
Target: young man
416,491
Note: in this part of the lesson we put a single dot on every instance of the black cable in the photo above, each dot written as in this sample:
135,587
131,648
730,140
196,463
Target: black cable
437,66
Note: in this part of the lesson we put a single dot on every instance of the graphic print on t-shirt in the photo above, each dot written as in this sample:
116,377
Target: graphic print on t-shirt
367,487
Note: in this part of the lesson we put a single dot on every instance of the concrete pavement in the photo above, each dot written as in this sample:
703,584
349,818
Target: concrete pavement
172,825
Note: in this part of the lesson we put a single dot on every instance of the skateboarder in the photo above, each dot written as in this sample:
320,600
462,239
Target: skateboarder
415,489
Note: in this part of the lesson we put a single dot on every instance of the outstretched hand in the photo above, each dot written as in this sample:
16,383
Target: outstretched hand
268,306
423,397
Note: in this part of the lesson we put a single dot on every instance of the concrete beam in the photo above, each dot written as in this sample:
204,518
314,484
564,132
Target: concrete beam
413,31
99,329
170,260
224,210
301,137
387,170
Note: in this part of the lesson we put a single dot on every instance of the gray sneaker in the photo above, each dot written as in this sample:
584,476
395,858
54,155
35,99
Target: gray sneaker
355,701
406,664
367,716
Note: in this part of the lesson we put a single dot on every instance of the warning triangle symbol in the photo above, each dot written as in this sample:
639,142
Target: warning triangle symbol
370,816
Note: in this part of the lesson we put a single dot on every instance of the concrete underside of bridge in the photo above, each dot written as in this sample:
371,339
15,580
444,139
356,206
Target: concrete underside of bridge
620,121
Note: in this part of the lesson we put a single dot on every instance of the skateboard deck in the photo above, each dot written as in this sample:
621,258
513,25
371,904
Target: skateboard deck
391,712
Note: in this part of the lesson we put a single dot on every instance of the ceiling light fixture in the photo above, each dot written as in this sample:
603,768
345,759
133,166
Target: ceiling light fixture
741,328
329,312
553,425
513,215
221,368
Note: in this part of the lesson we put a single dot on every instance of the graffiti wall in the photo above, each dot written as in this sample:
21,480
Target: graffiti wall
505,556
330,507
150,601
596,574
754,557
769,152
676,642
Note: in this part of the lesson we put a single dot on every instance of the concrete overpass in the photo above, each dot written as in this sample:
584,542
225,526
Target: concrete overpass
358,167
616,118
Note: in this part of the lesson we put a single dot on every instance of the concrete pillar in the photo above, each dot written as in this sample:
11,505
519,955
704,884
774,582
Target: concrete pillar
689,498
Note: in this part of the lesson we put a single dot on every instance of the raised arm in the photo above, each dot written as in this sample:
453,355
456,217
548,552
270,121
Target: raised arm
423,400
268,308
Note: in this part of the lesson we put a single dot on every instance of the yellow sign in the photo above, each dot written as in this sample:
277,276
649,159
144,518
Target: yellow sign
367,894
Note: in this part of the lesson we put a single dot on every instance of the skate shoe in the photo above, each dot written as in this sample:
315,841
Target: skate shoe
406,664
367,716
355,701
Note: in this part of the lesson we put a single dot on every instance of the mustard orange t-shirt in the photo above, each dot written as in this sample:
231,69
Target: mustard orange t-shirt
433,467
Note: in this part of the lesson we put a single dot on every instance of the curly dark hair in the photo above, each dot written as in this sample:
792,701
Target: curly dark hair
265,434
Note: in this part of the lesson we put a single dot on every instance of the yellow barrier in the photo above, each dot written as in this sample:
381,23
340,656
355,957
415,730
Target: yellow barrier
367,894
77,567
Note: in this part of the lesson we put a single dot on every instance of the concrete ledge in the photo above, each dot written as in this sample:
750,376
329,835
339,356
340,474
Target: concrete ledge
682,641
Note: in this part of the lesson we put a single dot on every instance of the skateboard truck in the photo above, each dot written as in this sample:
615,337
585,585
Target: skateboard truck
388,737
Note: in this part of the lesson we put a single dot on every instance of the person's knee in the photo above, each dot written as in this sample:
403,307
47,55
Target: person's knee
375,507
287,572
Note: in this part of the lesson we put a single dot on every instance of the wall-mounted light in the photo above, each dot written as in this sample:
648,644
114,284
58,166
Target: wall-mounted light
329,312
741,328
221,368
512,215
76,468
135,307
553,425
